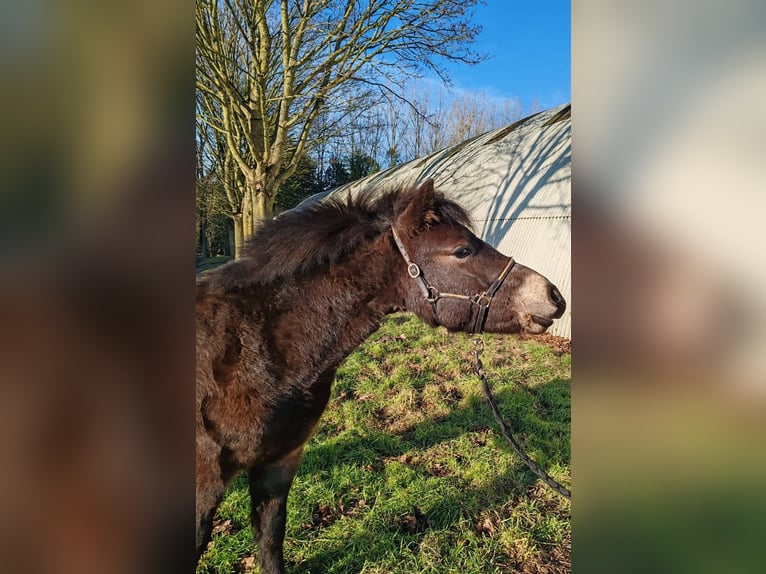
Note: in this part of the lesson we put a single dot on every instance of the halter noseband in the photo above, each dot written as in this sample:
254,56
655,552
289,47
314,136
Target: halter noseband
432,295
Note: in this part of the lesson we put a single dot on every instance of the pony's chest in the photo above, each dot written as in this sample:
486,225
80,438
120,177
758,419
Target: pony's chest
296,416
282,423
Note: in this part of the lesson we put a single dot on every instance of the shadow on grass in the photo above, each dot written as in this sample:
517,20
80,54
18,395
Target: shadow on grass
536,419
204,264
352,553
539,417
531,421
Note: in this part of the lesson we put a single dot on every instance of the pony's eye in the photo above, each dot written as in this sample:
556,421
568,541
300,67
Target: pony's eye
463,252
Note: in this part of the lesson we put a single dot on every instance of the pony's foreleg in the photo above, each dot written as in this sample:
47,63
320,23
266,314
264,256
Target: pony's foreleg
268,491
210,488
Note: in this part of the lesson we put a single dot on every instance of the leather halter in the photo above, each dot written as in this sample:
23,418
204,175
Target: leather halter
432,295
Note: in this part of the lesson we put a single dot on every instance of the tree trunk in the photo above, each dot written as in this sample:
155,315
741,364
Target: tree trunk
260,202
239,235
262,207
247,214
203,243
230,249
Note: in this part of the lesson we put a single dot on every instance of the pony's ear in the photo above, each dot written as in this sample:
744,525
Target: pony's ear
418,209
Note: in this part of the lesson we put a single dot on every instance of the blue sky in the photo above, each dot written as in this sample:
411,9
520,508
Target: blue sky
529,44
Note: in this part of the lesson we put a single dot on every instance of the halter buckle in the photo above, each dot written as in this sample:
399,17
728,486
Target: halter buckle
482,299
433,294
413,270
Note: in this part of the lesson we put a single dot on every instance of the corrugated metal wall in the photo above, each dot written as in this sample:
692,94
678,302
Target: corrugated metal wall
516,183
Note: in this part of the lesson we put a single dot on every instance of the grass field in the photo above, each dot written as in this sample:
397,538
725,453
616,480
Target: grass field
407,472
206,263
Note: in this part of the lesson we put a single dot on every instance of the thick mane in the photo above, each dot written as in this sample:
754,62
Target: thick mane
303,240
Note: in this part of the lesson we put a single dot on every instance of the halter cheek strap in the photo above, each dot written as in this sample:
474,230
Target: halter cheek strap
432,295
414,271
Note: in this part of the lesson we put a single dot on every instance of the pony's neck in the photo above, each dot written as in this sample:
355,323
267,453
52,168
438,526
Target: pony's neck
332,313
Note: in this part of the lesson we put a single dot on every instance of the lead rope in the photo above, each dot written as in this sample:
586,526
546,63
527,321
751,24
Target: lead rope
478,368
482,301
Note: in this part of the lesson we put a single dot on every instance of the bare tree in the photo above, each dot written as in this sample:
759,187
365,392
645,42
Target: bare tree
426,120
273,67
224,184
435,118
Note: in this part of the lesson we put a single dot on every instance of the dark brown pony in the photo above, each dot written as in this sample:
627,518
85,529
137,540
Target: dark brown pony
273,327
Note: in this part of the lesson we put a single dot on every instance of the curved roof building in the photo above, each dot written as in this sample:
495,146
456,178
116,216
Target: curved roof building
516,183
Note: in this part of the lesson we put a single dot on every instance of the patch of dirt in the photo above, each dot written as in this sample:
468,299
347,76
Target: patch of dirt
346,396
487,524
545,499
349,395
379,419
554,560
544,408
248,564
558,558
221,526
450,393
559,345
431,467
480,436
323,515
438,470
405,459
376,466
352,506
400,420
386,339
411,523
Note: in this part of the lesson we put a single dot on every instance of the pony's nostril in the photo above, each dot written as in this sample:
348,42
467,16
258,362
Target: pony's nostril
557,299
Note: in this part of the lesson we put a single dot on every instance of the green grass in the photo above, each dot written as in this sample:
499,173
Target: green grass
207,263
407,472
